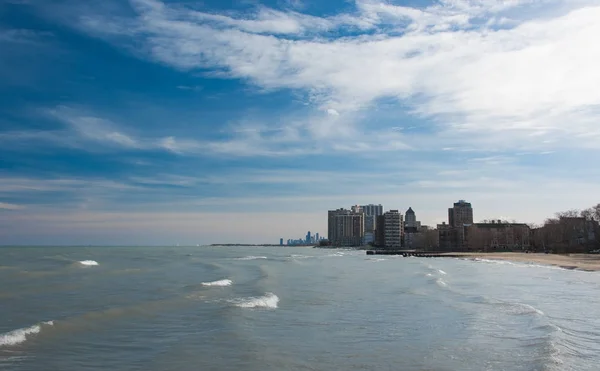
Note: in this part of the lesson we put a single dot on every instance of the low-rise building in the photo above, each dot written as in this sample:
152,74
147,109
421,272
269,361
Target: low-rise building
498,236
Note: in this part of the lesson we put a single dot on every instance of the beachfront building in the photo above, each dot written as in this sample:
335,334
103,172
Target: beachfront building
452,236
498,236
345,228
389,230
411,228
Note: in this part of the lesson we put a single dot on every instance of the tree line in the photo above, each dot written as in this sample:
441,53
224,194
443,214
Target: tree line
571,231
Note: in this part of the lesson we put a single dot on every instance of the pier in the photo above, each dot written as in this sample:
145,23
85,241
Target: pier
416,254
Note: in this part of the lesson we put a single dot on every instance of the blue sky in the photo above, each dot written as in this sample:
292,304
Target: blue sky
161,122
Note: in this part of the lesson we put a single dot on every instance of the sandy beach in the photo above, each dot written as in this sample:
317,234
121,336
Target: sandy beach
585,262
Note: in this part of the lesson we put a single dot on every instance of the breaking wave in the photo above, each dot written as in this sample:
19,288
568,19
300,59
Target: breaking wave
88,263
19,336
441,283
221,283
269,300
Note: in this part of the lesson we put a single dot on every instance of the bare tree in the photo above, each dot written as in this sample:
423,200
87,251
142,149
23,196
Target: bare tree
568,214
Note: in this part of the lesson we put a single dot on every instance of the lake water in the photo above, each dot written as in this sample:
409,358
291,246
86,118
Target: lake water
269,308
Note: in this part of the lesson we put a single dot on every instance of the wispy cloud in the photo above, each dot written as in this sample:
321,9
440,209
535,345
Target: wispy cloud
23,36
7,206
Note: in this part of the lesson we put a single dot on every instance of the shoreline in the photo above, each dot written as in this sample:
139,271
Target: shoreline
582,262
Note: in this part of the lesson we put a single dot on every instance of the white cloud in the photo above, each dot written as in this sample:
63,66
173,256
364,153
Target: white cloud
332,112
536,73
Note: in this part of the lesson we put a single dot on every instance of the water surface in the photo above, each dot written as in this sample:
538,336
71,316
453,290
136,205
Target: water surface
269,308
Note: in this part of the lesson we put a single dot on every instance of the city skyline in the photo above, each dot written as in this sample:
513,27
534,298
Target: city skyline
162,122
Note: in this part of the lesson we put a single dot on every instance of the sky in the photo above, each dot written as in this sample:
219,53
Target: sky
148,122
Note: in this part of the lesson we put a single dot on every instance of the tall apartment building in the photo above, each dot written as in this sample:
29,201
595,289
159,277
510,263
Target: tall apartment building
346,228
371,213
390,228
452,236
460,214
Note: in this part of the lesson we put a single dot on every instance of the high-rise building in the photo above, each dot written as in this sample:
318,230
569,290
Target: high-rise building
410,221
411,228
389,230
461,214
452,236
281,242
317,237
308,240
345,227
371,212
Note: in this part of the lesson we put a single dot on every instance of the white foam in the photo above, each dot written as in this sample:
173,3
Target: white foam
294,256
440,282
441,272
222,283
88,263
269,300
19,336
520,308
251,257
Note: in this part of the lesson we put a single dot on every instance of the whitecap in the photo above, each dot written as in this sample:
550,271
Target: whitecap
252,257
441,272
440,282
88,263
20,335
221,283
269,300
520,309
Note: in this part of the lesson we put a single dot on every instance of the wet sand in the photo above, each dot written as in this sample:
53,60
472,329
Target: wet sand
585,262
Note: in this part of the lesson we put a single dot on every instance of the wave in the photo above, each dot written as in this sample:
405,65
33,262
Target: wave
376,259
88,263
440,282
520,309
222,283
294,256
251,257
521,264
269,300
19,336
441,272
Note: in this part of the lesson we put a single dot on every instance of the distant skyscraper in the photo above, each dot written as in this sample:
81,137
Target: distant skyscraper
308,240
281,242
317,237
